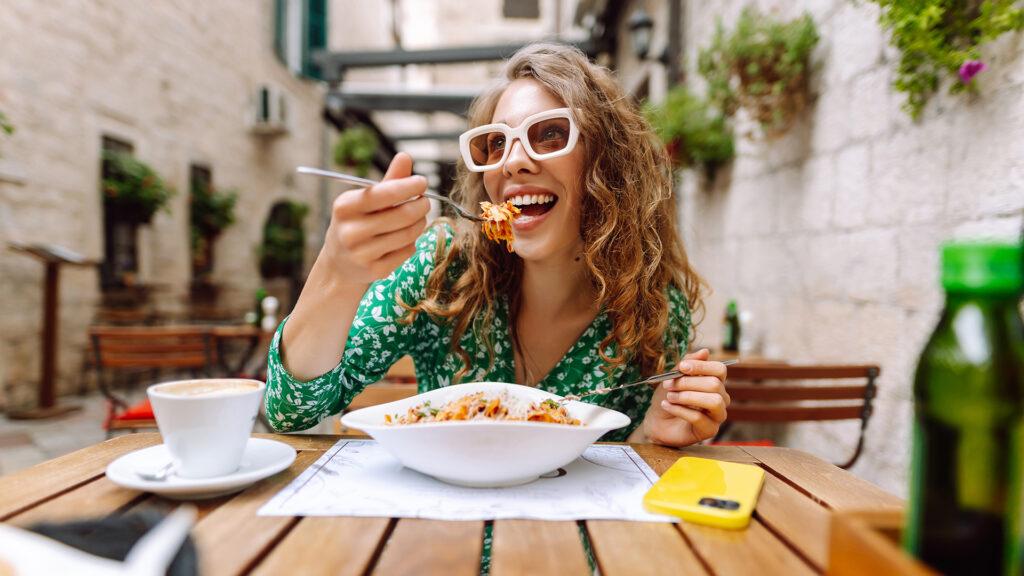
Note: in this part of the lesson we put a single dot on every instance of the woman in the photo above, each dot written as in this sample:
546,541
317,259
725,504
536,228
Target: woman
598,290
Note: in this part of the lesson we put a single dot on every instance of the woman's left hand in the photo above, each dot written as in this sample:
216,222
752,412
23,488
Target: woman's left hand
689,409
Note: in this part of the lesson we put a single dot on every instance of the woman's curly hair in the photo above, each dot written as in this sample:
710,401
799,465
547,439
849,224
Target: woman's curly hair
631,246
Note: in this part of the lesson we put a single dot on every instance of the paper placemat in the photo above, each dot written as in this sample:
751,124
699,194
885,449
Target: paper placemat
361,478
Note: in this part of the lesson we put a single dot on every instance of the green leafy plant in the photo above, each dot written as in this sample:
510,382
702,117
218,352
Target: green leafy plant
694,132
211,211
284,240
355,148
5,124
940,39
132,187
762,66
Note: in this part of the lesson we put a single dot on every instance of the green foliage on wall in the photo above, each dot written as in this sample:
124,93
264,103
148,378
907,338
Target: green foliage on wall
940,39
132,187
355,149
284,240
694,132
762,66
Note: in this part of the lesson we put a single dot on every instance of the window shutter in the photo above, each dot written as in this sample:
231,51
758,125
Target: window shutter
279,30
315,36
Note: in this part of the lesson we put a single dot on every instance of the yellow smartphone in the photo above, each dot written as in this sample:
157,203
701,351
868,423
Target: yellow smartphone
704,491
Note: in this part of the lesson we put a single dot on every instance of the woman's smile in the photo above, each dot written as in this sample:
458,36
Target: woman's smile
534,203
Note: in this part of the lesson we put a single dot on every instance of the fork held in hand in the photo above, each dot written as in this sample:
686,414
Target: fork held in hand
367,182
648,380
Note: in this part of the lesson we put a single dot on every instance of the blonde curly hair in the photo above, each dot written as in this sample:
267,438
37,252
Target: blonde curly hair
631,247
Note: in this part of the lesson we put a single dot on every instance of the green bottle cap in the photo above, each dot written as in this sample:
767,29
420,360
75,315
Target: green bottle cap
982,267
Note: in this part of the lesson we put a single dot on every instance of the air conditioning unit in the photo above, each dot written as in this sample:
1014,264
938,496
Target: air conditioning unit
270,110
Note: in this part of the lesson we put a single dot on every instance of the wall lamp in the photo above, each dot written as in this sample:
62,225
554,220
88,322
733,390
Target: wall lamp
641,30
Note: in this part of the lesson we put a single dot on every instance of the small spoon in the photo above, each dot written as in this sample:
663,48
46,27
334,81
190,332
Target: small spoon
648,380
157,476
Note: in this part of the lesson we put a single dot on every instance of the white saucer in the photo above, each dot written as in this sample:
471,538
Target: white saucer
262,458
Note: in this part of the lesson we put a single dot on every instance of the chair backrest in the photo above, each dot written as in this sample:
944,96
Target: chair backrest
152,347
758,396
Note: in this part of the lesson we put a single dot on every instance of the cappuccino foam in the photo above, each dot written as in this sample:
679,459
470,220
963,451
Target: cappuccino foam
207,388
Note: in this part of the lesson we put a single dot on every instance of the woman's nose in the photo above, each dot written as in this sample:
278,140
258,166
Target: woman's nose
518,160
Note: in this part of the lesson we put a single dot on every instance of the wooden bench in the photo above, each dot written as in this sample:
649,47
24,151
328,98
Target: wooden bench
757,395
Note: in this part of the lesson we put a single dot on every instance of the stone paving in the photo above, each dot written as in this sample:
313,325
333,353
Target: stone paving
25,443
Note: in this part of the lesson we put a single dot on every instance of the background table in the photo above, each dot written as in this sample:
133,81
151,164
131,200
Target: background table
788,535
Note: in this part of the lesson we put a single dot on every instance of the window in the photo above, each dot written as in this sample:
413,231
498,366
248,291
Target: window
120,253
300,28
200,181
521,9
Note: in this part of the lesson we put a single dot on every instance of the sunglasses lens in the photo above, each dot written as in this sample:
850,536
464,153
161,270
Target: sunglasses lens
487,148
549,136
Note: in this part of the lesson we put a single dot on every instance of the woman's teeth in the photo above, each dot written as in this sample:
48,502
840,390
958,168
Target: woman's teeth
530,199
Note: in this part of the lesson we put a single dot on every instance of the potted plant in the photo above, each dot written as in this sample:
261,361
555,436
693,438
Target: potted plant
694,132
211,211
761,66
132,191
284,240
355,149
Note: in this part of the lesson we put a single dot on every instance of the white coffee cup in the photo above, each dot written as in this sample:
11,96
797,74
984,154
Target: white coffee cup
206,423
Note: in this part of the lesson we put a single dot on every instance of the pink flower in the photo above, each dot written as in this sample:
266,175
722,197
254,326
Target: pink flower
969,69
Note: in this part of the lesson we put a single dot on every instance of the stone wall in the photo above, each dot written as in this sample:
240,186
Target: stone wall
829,236
177,81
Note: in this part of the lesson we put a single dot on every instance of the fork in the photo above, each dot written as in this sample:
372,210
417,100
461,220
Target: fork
648,380
367,182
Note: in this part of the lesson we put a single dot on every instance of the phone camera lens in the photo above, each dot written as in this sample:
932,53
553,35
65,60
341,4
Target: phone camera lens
720,503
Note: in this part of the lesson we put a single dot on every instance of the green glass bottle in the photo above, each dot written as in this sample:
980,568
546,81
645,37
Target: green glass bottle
965,493
731,328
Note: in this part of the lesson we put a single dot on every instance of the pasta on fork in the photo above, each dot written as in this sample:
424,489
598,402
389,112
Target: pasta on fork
498,221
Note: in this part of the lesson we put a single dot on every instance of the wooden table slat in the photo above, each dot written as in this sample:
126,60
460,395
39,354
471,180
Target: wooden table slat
236,532
659,458
648,548
530,547
423,547
303,441
835,487
793,515
93,500
25,488
743,552
341,546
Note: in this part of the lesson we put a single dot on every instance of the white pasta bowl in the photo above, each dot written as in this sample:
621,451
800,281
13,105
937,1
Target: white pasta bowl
484,453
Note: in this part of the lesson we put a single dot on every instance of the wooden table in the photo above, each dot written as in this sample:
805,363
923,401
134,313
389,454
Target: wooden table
789,534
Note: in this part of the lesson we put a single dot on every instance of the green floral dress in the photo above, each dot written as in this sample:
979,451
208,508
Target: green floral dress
377,340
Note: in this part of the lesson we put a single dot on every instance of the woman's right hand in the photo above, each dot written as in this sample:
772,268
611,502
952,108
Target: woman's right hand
374,230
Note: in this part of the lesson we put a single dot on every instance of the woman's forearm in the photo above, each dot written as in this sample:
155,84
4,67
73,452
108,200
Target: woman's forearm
314,337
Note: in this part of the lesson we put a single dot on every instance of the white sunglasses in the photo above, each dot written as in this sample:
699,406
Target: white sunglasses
549,134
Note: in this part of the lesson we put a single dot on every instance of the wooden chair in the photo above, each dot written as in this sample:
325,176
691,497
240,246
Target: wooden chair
757,397
146,348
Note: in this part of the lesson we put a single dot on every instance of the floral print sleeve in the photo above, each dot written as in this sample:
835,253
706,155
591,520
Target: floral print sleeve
375,342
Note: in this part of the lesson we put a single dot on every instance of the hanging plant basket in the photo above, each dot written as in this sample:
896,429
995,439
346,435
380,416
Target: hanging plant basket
132,191
762,67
